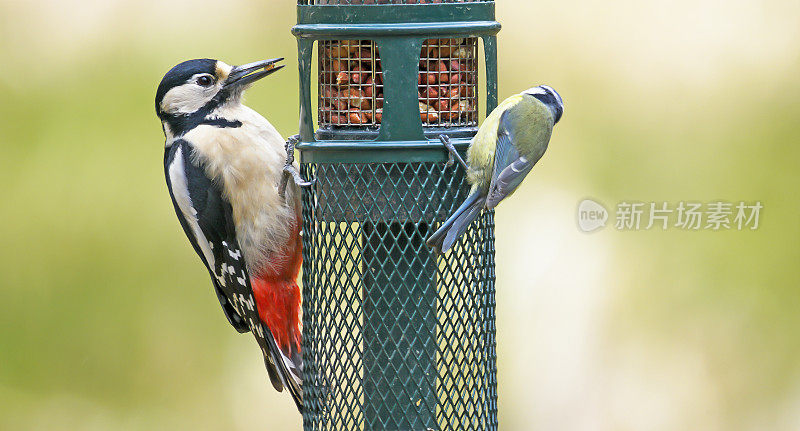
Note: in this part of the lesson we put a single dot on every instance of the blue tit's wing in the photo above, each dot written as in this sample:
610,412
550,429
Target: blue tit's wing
509,167
207,220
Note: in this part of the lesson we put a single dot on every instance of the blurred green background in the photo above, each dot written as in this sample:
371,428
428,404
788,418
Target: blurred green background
108,321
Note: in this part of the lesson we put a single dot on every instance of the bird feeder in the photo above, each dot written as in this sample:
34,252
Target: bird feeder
395,336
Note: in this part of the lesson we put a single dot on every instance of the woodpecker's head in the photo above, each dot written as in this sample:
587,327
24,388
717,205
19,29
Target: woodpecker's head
194,89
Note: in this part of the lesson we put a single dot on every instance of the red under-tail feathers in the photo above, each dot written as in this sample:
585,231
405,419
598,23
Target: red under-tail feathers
278,296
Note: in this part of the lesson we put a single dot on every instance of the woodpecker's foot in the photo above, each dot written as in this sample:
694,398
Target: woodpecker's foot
452,153
289,170
290,143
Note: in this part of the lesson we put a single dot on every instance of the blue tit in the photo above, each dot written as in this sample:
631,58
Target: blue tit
511,140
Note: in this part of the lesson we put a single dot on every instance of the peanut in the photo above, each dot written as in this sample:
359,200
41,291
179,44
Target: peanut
368,87
342,78
428,114
461,52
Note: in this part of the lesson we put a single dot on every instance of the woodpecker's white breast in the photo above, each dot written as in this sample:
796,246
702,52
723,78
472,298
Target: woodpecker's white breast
248,162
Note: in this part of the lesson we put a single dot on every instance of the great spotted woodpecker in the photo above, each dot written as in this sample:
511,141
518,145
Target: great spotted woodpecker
224,164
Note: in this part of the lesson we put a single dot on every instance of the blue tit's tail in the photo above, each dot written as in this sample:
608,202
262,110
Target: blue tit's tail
457,224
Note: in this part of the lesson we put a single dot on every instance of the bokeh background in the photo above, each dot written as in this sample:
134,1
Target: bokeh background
108,321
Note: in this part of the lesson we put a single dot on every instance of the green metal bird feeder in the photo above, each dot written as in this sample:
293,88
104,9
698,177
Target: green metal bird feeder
395,337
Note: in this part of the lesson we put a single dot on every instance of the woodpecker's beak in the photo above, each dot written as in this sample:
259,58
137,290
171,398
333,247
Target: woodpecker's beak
245,74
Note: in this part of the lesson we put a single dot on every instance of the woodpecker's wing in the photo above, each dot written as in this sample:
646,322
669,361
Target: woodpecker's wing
510,168
207,219
197,207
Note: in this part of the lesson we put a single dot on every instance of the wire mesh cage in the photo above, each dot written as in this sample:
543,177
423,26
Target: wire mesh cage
403,338
448,80
395,337
351,83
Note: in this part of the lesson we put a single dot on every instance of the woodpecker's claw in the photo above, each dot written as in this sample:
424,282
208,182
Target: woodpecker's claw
452,153
290,143
289,169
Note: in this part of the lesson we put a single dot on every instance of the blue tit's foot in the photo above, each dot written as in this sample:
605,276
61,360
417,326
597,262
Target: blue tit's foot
289,170
452,153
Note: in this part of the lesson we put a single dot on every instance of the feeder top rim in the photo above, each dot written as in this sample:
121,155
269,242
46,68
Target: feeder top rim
395,13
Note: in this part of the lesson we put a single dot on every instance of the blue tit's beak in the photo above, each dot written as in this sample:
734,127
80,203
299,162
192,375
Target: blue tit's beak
241,76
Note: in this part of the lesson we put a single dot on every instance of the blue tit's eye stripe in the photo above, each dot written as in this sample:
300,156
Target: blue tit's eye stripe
555,94
559,112
546,98
551,100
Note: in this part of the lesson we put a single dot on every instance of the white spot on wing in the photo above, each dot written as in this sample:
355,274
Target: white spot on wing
522,161
221,275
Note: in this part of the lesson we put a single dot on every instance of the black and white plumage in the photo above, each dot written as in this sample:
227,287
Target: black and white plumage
207,220
222,164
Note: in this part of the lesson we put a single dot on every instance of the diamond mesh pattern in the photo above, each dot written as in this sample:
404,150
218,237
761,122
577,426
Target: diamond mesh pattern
394,336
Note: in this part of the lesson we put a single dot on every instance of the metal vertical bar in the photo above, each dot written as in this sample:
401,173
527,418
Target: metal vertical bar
305,49
490,349
399,327
401,120
490,52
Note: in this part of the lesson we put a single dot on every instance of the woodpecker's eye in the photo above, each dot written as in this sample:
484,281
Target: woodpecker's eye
205,81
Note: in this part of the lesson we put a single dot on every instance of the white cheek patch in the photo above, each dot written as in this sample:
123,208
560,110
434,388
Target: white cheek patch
187,98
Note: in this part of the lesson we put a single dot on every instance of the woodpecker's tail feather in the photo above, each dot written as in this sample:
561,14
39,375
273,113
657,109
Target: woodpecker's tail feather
272,372
282,371
458,223
278,301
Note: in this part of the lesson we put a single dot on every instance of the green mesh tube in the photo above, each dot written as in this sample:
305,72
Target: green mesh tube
395,337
